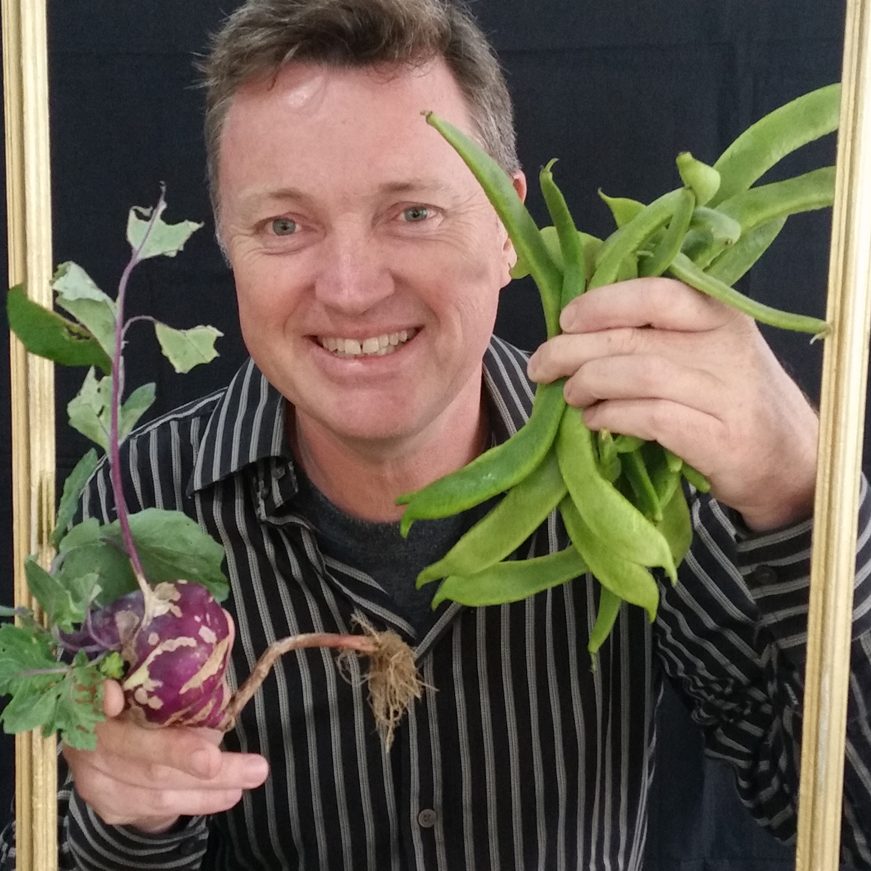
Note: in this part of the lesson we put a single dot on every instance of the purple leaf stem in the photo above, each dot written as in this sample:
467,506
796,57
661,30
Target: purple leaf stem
115,411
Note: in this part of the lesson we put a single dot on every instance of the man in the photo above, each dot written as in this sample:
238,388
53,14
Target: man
368,266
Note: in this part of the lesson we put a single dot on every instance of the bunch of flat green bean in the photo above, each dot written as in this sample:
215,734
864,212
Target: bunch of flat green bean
622,500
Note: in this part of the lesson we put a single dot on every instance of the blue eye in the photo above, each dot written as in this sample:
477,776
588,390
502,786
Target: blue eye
416,213
283,226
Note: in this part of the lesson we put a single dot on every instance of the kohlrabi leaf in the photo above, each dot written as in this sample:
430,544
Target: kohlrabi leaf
66,601
73,487
79,705
47,334
79,295
23,650
187,348
48,694
89,548
139,401
173,547
161,238
88,410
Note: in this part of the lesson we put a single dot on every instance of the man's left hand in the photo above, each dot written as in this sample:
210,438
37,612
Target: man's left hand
654,358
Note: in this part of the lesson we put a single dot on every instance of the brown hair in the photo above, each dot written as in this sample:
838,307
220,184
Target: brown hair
262,35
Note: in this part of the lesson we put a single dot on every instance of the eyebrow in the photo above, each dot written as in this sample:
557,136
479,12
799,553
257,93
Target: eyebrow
259,197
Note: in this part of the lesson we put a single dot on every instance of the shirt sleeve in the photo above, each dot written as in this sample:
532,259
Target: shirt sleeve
95,846
732,635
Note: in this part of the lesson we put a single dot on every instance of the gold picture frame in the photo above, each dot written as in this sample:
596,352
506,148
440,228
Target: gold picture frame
842,413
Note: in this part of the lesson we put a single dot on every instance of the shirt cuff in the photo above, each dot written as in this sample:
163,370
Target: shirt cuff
102,847
776,568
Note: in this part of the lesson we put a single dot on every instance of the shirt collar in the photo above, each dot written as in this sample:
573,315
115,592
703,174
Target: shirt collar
247,424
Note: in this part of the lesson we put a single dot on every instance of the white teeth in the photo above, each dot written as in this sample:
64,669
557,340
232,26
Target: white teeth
373,346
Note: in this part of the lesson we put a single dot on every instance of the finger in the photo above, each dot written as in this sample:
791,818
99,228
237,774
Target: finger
121,804
673,425
644,377
232,771
113,698
564,354
638,302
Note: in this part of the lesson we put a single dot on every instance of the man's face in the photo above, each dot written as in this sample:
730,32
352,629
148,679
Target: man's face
367,260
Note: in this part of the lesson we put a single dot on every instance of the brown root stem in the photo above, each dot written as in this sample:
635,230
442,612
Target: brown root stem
392,676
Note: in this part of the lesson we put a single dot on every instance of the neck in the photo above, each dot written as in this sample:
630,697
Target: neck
365,480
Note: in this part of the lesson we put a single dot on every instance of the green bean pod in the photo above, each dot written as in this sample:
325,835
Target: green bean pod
521,227
512,581
630,237
676,525
626,443
696,478
703,180
606,511
669,245
623,209
606,617
589,244
629,580
710,233
734,262
638,477
609,458
505,527
571,249
780,199
686,271
774,136
494,471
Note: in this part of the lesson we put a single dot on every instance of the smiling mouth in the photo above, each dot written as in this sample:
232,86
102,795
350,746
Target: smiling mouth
373,346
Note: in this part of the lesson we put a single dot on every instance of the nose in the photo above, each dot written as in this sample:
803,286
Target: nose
354,275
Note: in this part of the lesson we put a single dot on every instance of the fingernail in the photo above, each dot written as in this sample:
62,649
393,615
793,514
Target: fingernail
532,366
256,771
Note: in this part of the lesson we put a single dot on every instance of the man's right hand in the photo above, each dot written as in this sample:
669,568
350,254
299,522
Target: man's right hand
148,778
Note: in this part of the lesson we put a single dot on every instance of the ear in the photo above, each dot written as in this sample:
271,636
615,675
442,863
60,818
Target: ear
518,179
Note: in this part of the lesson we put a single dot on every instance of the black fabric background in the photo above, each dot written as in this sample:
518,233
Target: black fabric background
614,88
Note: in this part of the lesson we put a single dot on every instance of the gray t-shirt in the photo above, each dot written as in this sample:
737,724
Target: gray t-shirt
379,550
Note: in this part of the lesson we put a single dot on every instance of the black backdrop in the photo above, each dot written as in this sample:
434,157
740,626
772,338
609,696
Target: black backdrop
614,88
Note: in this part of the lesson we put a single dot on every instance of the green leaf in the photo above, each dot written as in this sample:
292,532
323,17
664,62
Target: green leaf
73,487
153,240
187,348
31,709
45,693
23,649
64,603
173,547
88,411
112,665
139,401
87,549
78,295
47,334
79,705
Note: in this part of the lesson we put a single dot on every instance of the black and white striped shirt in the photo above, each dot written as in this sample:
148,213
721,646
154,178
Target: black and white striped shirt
524,754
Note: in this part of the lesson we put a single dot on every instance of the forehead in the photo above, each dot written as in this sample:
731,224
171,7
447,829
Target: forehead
319,124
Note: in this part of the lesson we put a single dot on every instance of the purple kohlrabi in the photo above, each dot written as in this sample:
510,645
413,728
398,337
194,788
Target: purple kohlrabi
177,659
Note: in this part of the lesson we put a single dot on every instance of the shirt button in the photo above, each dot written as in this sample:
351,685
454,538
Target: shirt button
427,818
764,575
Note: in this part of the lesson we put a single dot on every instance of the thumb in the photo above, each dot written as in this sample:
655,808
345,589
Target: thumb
113,698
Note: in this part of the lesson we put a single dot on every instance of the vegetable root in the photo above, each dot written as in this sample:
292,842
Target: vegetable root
392,677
